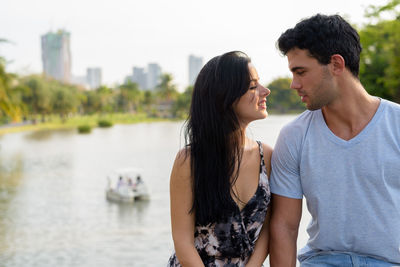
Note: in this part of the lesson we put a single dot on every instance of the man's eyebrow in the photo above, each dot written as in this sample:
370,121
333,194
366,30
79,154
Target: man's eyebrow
296,69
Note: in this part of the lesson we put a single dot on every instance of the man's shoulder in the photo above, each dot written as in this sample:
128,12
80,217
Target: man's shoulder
393,106
391,117
300,124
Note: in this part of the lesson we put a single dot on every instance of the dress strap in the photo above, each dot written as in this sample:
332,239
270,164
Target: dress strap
260,148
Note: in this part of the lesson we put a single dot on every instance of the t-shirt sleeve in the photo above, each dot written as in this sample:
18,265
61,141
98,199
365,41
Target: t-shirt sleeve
285,170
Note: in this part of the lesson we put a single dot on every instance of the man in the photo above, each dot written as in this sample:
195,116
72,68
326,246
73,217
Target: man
342,154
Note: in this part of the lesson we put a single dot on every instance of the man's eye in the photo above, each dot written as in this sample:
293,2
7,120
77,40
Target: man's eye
300,72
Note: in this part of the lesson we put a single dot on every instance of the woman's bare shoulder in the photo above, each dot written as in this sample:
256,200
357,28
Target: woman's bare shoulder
181,168
183,156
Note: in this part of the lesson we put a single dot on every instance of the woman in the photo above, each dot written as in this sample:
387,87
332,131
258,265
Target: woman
219,183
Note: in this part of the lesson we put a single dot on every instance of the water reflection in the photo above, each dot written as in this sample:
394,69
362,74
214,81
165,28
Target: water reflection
53,208
11,169
10,179
128,212
44,135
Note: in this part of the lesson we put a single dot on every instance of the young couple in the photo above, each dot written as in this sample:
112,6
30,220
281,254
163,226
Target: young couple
342,154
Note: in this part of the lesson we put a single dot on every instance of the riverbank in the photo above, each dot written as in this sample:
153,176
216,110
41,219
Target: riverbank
55,123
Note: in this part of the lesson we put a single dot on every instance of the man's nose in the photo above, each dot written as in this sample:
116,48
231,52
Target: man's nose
295,84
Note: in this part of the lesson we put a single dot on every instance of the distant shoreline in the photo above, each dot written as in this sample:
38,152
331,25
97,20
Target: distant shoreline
54,122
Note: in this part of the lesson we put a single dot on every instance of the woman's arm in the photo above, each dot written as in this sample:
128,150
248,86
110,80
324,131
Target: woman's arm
182,221
261,249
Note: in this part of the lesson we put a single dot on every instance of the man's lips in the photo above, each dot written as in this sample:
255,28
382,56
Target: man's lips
302,96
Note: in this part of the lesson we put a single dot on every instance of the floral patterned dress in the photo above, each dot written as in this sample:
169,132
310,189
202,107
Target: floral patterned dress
231,242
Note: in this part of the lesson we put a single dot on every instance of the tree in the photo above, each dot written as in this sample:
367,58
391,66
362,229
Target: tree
129,97
166,89
39,96
106,101
373,11
182,104
91,102
7,108
380,59
283,99
64,100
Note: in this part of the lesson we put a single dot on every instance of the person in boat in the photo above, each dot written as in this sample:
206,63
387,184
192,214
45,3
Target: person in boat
219,188
130,183
120,182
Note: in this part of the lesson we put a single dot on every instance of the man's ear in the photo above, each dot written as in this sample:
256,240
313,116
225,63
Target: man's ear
337,65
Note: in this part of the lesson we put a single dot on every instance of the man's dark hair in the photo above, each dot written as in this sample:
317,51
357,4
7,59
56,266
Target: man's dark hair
324,36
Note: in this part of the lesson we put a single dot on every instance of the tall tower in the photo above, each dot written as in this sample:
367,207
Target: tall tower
195,65
139,76
56,55
93,77
153,75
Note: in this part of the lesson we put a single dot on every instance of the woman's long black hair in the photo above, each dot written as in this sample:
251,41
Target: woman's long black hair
213,135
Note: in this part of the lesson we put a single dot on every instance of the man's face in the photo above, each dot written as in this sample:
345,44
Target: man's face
312,81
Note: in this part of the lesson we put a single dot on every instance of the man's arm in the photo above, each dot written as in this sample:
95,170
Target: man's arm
284,226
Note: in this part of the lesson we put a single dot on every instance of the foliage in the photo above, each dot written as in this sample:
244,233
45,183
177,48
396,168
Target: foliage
8,109
103,123
90,102
38,96
181,107
166,89
6,106
380,59
129,97
376,11
84,128
106,99
283,99
64,100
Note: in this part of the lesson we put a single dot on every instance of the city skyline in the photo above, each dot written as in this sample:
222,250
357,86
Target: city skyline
147,79
195,64
117,35
56,55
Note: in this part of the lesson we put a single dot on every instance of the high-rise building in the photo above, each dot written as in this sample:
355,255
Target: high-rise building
93,77
153,75
139,76
56,55
195,65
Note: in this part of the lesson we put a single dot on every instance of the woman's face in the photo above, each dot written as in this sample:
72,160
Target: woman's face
252,105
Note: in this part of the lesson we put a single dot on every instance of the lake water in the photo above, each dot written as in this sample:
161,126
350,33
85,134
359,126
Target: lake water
53,210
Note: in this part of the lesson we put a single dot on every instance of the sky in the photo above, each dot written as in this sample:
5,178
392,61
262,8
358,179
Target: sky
117,35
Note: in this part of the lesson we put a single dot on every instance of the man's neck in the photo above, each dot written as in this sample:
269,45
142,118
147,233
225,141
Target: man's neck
350,113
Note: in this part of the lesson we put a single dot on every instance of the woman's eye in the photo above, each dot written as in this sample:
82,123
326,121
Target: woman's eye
253,87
